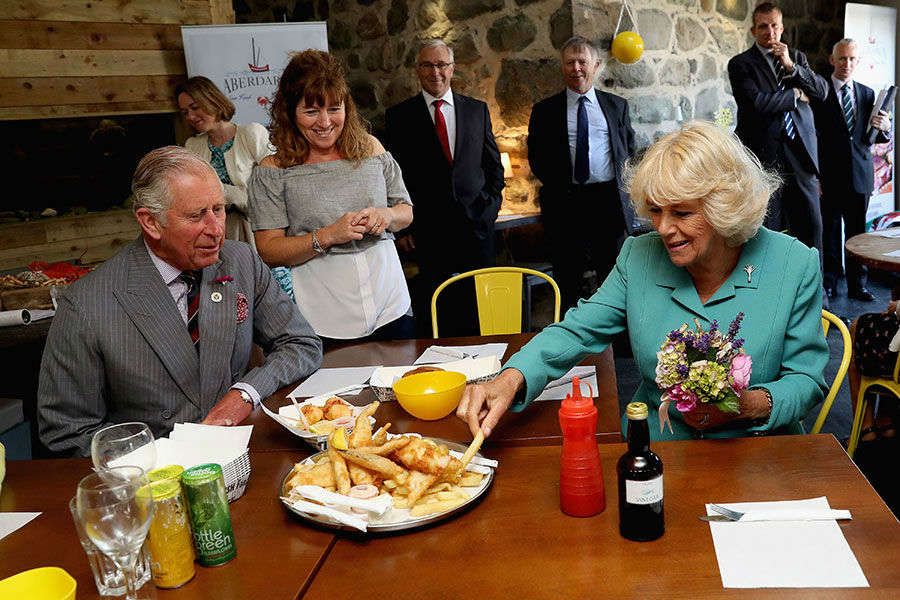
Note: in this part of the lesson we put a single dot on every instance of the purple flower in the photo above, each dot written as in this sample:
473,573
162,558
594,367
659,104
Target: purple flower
735,325
682,370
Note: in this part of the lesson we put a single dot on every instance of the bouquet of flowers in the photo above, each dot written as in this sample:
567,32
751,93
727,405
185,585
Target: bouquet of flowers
702,366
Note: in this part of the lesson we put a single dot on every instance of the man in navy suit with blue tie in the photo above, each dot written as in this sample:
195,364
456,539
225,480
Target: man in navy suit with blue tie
772,86
578,142
845,157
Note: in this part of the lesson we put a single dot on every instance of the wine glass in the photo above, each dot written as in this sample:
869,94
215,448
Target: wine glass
115,506
124,444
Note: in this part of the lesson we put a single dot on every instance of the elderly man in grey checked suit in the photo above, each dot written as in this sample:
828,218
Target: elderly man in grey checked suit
162,332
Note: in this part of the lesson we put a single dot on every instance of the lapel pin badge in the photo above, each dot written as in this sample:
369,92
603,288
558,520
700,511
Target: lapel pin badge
749,269
216,297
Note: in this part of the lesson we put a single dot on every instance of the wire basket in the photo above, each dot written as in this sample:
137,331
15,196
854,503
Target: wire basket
236,474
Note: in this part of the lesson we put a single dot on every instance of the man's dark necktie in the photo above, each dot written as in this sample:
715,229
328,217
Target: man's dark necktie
192,279
441,126
779,76
847,106
582,166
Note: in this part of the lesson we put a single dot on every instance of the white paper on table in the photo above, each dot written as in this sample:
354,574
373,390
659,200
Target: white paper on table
237,437
784,554
324,380
10,521
192,444
558,388
434,355
893,253
893,232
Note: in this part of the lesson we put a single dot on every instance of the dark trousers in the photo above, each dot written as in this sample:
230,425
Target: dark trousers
441,252
582,231
796,205
850,207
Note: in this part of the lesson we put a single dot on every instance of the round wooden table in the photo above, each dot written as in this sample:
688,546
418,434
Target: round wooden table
870,250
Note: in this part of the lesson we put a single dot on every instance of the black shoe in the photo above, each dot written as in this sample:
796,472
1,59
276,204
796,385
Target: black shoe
861,294
831,291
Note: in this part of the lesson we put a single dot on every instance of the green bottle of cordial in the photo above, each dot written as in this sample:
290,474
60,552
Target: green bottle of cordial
204,487
640,474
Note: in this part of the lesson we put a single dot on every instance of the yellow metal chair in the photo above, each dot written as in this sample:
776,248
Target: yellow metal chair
498,291
829,319
865,382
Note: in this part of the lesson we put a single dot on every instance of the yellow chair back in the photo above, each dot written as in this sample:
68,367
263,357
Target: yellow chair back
865,382
498,292
830,319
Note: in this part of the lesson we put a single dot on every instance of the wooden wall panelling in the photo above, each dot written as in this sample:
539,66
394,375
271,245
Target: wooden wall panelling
90,36
182,12
51,91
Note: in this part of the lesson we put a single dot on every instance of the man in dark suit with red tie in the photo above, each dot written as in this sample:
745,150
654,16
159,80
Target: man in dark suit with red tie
845,158
772,86
445,146
578,142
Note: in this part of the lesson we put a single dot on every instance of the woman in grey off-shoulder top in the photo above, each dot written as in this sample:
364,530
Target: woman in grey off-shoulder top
326,205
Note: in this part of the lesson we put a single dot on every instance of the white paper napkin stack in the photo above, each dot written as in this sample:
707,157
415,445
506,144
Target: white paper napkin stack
192,444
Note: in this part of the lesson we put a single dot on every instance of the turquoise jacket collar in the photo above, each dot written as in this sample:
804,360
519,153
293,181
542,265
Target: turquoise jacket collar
753,259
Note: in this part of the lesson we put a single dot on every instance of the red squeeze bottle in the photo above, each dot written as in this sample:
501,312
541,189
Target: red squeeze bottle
581,490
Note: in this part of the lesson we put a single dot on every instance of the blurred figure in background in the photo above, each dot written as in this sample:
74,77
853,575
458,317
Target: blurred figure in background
326,204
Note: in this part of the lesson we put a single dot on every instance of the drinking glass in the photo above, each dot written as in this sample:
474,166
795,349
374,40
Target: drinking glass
124,444
108,576
115,506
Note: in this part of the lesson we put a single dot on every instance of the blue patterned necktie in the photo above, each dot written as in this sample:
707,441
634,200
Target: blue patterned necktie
779,76
847,106
582,168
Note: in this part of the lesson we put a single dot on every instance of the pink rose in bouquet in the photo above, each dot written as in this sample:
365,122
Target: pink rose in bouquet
741,367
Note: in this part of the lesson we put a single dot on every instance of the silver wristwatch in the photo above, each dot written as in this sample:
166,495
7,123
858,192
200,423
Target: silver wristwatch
246,397
317,247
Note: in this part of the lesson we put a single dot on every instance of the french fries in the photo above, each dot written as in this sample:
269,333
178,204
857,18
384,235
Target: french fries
418,474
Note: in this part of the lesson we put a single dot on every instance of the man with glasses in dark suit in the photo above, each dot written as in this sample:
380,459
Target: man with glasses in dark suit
162,332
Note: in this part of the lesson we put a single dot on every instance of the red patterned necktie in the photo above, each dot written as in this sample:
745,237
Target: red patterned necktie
192,280
441,128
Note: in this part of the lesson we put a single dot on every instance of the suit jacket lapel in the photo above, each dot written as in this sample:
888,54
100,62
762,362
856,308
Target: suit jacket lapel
151,308
563,128
763,64
462,128
609,113
861,124
429,135
679,281
217,324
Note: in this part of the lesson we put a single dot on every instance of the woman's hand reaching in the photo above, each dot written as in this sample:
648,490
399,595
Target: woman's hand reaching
483,404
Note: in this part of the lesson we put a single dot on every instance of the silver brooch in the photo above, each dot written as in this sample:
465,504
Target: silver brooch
749,270
215,297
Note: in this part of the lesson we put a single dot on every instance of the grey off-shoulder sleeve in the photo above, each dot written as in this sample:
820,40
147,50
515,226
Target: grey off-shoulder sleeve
393,181
266,195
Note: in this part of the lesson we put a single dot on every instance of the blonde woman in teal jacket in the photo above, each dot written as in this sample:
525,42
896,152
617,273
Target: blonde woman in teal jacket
708,259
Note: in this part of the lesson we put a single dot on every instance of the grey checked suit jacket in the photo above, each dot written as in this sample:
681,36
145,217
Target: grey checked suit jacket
118,349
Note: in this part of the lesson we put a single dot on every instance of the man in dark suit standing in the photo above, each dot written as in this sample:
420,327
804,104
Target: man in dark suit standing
445,146
162,331
848,179
772,85
578,142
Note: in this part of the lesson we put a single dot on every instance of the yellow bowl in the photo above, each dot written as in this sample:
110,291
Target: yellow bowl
44,583
430,396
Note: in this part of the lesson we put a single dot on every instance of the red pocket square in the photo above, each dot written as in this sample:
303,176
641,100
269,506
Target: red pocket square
242,308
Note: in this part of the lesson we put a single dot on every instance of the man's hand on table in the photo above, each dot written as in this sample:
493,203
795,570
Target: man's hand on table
230,410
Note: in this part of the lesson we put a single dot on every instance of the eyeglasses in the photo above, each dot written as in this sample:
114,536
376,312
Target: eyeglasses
441,66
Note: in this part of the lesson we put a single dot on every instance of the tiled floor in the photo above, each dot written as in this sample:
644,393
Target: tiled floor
876,460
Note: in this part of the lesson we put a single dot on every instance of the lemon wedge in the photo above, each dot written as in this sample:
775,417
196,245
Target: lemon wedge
339,439
322,427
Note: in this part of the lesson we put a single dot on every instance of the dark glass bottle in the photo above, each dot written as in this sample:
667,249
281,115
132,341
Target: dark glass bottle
640,474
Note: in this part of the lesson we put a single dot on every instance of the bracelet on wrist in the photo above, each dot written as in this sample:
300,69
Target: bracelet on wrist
316,246
763,420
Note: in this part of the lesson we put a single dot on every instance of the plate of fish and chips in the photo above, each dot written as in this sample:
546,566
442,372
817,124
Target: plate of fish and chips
419,480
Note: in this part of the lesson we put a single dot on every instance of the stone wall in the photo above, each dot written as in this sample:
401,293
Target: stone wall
507,54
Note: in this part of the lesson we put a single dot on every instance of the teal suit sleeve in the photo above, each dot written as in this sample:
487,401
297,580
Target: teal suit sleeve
587,329
801,384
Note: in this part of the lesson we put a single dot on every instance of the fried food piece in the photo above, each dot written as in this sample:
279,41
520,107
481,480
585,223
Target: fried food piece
425,369
389,446
338,410
363,476
379,464
417,483
362,431
421,509
419,455
313,413
380,436
453,471
321,474
341,474
470,479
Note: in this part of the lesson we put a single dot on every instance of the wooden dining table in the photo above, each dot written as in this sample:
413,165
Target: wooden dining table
513,542
537,424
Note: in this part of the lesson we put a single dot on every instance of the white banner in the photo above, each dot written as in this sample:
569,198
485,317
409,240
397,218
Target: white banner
875,30
246,61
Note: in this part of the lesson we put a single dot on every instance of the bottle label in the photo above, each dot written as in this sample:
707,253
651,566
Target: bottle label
644,492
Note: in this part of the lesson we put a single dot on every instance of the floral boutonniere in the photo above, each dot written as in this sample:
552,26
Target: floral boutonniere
224,279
